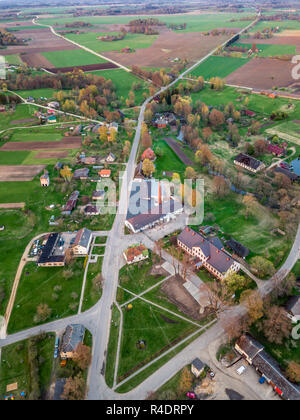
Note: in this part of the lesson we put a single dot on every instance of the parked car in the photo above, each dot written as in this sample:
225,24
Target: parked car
191,395
55,353
241,370
284,165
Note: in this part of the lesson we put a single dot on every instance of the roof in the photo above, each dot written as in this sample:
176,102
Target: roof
48,250
135,251
291,175
247,160
83,237
71,203
217,242
82,172
249,346
217,258
271,370
98,194
198,364
89,209
274,148
111,155
238,248
73,335
293,305
105,172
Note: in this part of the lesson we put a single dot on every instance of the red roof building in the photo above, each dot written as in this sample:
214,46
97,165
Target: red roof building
276,149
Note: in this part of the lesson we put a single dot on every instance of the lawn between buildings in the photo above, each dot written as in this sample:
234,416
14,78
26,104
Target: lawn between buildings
15,366
93,288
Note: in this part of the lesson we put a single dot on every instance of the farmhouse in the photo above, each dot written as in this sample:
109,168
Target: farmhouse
45,180
88,160
82,173
49,256
207,255
276,149
256,356
249,163
71,204
90,210
82,242
136,253
73,336
54,104
148,154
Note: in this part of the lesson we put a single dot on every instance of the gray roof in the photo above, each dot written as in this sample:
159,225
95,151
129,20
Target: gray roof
73,335
217,258
82,172
293,305
83,237
198,364
249,346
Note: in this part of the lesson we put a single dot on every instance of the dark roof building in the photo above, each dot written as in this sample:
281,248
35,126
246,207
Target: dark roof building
249,162
71,203
48,257
255,354
207,254
239,249
73,335
81,173
291,175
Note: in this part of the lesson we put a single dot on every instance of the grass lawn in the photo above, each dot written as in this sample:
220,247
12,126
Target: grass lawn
13,158
284,24
156,327
296,269
123,82
268,50
69,58
112,347
169,161
92,293
16,224
98,250
13,59
43,133
89,39
43,281
136,277
21,112
100,239
15,367
288,130
219,66
38,93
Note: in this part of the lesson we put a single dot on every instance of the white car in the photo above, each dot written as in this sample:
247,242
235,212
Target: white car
241,370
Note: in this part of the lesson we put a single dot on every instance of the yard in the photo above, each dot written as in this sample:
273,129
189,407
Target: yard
57,287
158,329
93,289
16,368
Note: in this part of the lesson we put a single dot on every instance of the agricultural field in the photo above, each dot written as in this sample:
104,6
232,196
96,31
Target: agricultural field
268,50
283,25
71,58
216,66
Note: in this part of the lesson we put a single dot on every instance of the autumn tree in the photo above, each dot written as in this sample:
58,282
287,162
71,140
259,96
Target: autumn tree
250,204
146,140
220,186
74,388
234,282
216,83
103,133
186,381
43,312
253,302
66,173
262,266
276,326
148,168
82,356
190,173
293,371
126,148
216,118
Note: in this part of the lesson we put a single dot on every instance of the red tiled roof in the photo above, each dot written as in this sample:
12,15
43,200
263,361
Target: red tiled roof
104,172
134,252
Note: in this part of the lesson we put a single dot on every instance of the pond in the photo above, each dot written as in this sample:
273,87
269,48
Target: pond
296,166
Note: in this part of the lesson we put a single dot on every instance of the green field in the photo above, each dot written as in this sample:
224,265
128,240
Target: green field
92,292
285,24
195,23
13,59
89,39
70,58
43,281
216,66
43,133
267,50
10,119
13,158
112,346
157,327
38,93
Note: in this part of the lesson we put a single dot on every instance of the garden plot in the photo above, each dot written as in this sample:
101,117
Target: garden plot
19,172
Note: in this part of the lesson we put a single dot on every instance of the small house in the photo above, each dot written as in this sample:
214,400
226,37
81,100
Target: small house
82,242
136,253
91,210
71,204
58,166
98,195
197,367
82,173
73,336
293,308
105,173
54,104
52,119
110,158
45,180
